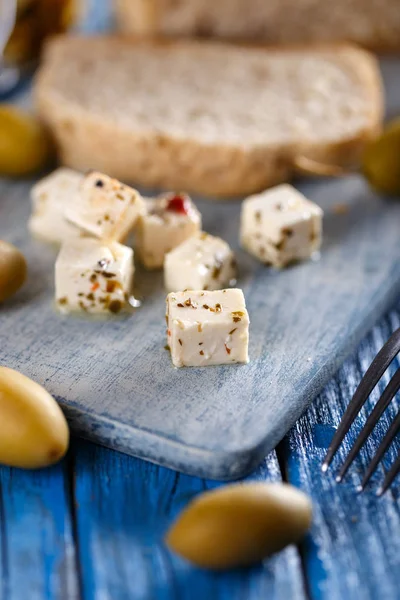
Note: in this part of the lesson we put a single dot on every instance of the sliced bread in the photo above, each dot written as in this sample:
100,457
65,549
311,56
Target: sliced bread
206,117
371,23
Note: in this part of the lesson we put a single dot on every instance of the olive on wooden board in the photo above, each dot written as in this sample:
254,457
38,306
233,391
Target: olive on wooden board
240,524
381,160
13,270
33,429
25,147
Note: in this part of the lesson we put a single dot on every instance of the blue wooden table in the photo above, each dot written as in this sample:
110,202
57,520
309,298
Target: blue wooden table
92,527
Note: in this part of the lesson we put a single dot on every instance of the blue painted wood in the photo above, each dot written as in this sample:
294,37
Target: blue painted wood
116,382
37,556
354,547
124,507
178,420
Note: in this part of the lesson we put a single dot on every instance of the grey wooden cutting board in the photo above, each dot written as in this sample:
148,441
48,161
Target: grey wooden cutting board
116,382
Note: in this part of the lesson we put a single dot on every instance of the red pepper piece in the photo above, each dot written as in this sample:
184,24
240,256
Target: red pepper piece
179,204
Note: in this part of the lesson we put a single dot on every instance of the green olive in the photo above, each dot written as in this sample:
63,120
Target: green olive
33,429
24,145
12,270
240,524
381,161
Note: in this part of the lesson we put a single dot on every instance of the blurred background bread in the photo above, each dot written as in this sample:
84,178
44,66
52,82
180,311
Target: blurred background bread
207,117
372,23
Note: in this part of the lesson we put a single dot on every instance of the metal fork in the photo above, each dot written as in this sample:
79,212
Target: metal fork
379,365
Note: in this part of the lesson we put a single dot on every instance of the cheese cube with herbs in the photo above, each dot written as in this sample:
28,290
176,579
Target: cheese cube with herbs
281,226
50,197
203,262
207,328
106,208
93,276
169,221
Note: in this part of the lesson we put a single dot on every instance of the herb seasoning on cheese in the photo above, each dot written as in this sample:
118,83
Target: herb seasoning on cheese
170,220
93,276
281,226
108,211
199,328
203,262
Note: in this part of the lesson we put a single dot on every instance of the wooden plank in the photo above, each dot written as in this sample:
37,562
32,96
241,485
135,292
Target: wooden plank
37,555
124,506
354,548
304,321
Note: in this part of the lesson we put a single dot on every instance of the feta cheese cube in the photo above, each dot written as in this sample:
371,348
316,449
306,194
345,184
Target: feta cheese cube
93,276
106,208
207,328
50,197
169,221
281,226
203,262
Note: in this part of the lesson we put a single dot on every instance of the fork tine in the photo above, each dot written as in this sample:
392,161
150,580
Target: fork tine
384,445
390,476
367,384
391,389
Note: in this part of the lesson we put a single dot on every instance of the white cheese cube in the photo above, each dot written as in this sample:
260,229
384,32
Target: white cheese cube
207,328
203,262
93,276
50,197
281,226
106,208
169,221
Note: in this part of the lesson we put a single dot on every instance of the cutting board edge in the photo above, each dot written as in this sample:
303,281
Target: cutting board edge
221,466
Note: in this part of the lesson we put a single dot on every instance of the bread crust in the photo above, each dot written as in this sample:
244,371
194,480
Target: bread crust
215,170
161,17
138,16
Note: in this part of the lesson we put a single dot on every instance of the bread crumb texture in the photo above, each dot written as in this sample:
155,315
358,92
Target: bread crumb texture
371,23
206,117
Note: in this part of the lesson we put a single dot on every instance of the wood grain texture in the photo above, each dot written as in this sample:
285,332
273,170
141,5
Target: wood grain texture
116,381
354,547
37,556
124,506
121,507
